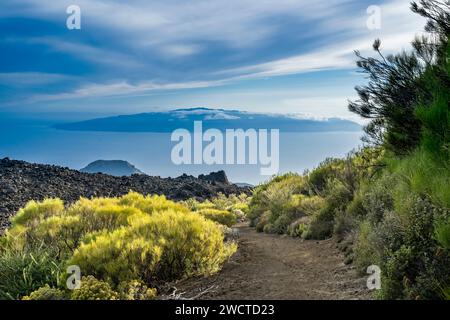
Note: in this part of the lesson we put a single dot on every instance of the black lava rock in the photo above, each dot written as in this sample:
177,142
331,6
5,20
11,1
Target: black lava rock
21,182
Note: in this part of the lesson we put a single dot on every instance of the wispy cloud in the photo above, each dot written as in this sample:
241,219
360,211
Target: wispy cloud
98,55
27,79
120,89
399,27
145,46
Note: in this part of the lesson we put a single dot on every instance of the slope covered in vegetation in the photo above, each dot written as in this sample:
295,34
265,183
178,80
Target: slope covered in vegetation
389,203
125,247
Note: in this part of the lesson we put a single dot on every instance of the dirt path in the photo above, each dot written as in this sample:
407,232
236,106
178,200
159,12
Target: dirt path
280,267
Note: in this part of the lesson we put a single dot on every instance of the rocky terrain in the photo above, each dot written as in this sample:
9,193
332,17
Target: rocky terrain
21,182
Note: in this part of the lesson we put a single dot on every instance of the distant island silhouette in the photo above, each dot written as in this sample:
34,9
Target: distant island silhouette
212,118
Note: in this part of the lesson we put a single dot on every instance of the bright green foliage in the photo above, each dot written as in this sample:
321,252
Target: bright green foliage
446,293
117,256
102,213
149,204
162,246
421,173
224,217
232,202
364,251
46,293
24,271
93,289
222,209
339,196
136,290
443,234
191,245
129,240
275,205
36,211
195,205
323,195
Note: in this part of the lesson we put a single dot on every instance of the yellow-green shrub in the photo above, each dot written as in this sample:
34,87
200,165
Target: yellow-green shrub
232,203
277,197
220,216
364,248
34,211
46,293
149,204
135,290
222,202
93,289
191,244
263,221
102,213
195,205
117,240
61,232
165,245
117,256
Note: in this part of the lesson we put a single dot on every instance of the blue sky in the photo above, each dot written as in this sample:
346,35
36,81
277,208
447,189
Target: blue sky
284,56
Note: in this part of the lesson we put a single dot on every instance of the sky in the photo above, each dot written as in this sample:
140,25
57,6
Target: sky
283,56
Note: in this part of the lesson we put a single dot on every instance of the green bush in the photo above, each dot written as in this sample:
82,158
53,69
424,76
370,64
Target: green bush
442,233
117,256
365,254
93,289
34,211
220,202
446,293
323,222
136,290
116,240
318,179
164,246
46,293
299,228
22,272
263,220
191,244
276,205
404,245
149,204
275,196
224,217
320,227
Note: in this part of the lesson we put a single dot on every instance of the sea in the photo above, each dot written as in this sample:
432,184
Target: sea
38,142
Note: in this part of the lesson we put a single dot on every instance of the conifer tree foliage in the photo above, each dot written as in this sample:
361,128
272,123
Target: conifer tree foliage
399,83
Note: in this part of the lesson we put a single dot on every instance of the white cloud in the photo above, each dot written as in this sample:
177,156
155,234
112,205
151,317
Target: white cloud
176,28
98,55
399,27
237,23
119,89
180,50
25,79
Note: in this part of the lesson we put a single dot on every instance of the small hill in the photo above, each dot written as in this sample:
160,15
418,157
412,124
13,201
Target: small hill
118,168
244,185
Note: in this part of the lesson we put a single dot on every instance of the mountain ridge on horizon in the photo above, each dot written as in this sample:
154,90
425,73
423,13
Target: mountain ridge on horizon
167,121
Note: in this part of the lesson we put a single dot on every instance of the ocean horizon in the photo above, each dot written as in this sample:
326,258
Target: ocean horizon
39,142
